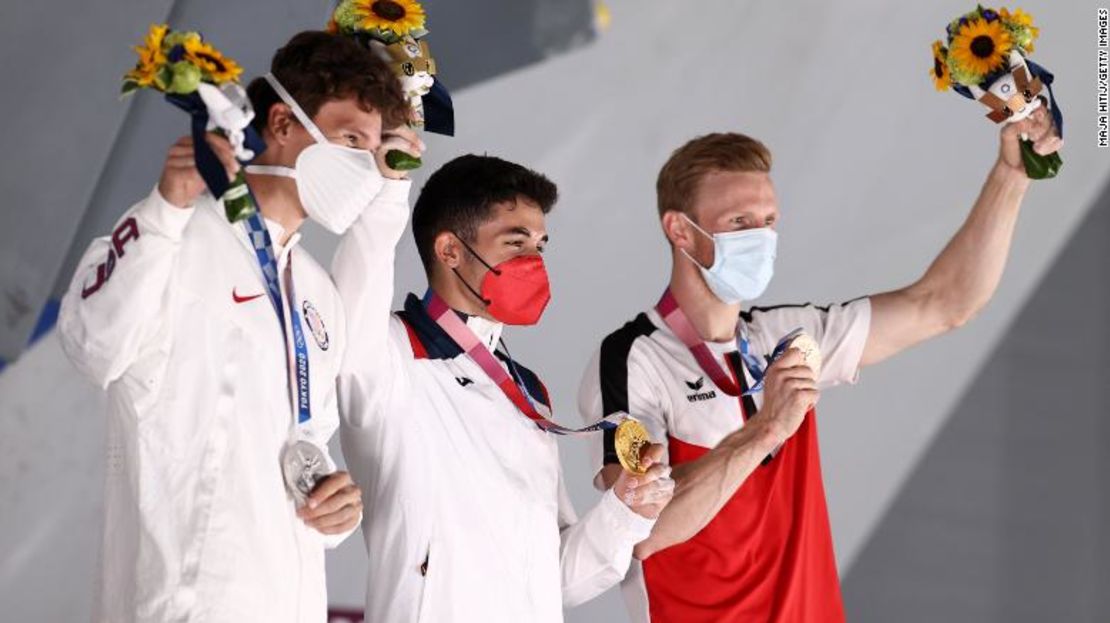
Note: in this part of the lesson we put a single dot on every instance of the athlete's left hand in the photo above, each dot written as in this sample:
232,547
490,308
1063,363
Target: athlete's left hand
401,138
647,494
335,505
1039,128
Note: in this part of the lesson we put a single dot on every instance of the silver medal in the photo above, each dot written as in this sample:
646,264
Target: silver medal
302,465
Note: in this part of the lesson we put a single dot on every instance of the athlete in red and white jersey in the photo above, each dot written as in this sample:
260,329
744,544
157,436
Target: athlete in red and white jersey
746,537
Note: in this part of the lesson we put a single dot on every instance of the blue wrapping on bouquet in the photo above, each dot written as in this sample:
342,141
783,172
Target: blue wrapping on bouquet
234,193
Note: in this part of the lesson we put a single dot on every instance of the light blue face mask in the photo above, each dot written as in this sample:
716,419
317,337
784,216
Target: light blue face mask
743,262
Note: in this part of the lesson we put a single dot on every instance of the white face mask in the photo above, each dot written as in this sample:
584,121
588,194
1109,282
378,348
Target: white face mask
743,263
335,182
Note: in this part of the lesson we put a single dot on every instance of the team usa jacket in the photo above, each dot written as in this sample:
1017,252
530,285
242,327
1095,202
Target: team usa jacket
170,314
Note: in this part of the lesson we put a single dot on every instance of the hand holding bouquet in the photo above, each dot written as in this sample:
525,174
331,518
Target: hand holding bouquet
394,29
986,59
197,78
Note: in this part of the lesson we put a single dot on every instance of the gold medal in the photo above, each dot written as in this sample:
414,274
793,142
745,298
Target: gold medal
630,440
810,351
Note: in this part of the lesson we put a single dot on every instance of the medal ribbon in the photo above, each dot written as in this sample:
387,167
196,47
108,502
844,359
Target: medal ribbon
263,246
456,329
680,325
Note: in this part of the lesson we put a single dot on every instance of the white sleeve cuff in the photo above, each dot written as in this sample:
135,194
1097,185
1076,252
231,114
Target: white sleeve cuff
163,217
622,521
332,541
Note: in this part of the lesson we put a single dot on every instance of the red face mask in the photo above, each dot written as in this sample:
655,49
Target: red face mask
515,291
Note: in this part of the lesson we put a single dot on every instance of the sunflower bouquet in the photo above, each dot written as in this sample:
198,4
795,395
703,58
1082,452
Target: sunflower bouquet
394,29
197,78
985,58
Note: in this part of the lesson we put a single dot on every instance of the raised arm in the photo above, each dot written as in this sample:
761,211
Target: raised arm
964,277
363,269
118,299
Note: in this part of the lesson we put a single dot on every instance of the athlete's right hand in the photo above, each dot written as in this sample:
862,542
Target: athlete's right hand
402,138
789,392
646,494
181,183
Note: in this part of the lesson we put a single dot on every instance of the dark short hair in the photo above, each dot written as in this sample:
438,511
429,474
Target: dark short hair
460,197
316,67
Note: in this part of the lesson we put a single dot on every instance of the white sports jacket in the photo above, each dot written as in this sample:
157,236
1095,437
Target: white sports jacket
466,515
170,314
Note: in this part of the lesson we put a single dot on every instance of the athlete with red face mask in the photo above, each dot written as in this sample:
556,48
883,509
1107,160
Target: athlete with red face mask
466,515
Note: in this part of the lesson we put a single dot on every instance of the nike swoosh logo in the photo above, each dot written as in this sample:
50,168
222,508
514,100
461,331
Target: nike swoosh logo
463,381
243,299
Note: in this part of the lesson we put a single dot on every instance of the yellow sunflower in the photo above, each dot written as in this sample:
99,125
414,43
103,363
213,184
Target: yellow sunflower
1021,27
1018,17
399,16
942,78
211,61
151,57
981,46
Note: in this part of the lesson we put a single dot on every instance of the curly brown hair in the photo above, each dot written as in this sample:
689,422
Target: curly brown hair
317,67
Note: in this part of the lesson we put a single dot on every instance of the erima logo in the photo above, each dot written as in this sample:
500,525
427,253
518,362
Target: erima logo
463,381
699,396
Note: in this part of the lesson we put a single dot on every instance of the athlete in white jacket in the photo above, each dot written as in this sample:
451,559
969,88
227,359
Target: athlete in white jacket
467,517
208,386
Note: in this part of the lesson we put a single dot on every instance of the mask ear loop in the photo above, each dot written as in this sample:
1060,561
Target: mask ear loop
704,233
698,227
298,112
497,273
492,269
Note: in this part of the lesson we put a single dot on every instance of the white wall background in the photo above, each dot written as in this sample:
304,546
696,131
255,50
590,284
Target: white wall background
874,172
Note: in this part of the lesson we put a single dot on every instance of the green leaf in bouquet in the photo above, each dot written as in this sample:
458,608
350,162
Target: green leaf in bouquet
129,86
1037,166
238,203
186,77
401,161
385,35
164,77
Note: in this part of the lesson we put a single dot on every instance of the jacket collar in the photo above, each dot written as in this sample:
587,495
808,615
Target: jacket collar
275,229
434,339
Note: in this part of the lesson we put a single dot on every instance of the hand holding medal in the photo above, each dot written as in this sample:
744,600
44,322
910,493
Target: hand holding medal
811,352
986,59
790,386
394,30
644,484
334,506
197,78
631,439
303,464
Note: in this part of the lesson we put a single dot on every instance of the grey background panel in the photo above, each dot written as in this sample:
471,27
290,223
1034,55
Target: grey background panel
874,171
60,113
476,41
1006,516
